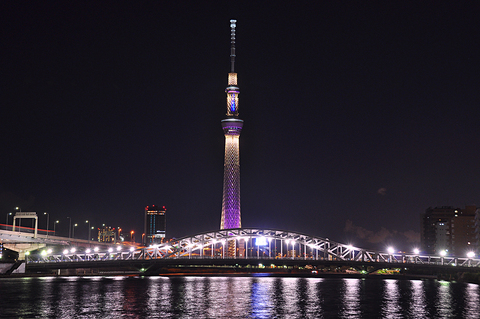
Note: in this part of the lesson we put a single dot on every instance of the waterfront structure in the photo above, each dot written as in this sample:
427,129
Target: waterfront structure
448,229
155,227
232,127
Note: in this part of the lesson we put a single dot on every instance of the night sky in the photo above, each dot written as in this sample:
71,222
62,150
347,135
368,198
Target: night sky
358,115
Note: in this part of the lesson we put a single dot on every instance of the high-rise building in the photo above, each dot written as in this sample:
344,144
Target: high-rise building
155,225
477,231
232,127
448,229
107,234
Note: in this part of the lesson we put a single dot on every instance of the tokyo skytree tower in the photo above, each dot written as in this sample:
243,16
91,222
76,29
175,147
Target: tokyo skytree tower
232,126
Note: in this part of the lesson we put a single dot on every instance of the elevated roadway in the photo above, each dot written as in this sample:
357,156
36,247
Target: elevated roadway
23,242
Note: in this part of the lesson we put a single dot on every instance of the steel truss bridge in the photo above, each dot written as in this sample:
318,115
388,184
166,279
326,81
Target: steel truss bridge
252,246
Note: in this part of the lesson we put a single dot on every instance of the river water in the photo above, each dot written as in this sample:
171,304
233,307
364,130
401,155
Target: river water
235,297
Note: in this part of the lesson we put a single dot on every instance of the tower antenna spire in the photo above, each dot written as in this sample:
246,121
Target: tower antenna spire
233,24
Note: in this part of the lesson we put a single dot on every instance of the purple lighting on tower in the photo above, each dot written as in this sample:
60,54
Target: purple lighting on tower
232,127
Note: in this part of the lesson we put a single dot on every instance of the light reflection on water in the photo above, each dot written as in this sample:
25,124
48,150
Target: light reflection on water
235,297
351,299
390,306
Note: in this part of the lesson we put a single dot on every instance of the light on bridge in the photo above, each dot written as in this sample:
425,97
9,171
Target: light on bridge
416,251
443,253
88,250
72,250
470,254
119,248
132,249
390,250
65,251
95,249
261,241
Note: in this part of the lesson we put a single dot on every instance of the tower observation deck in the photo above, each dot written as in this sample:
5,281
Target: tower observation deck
232,127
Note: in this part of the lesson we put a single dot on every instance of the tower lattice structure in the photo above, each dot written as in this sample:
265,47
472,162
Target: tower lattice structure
232,127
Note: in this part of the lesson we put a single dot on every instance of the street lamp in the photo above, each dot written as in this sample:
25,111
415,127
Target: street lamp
73,236
48,216
69,226
131,235
87,221
6,223
54,224
20,220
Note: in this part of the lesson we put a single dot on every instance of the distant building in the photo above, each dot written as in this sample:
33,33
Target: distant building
449,229
107,234
155,225
477,231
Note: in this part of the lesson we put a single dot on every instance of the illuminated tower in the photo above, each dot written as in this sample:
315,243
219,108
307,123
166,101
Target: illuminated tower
232,126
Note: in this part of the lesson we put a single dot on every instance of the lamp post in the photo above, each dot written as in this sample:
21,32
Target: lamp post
87,221
48,216
20,219
6,223
69,226
54,224
73,236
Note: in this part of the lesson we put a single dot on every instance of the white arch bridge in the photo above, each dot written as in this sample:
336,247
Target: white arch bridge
244,246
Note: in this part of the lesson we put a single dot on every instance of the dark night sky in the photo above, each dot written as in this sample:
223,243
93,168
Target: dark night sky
358,115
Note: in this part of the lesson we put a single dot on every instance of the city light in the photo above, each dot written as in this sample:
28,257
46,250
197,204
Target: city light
132,249
110,249
470,254
65,251
72,250
443,253
95,249
416,251
261,241
87,250
390,250
119,248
